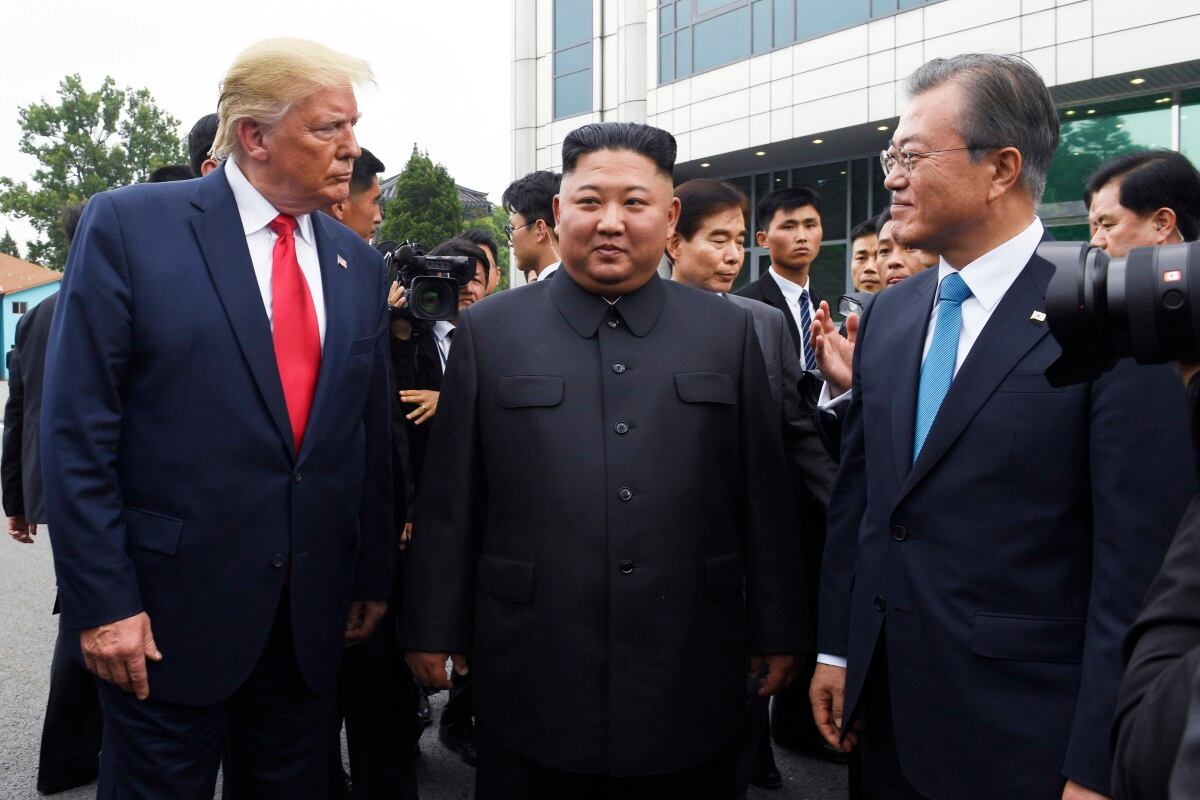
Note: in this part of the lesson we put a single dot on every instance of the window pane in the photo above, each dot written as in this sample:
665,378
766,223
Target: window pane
1088,140
573,94
1189,125
705,6
881,7
666,18
683,13
762,26
911,3
859,185
818,17
666,59
829,275
722,39
785,22
683,53
743,277
881,197
1070,233
829,181
572,60
572,22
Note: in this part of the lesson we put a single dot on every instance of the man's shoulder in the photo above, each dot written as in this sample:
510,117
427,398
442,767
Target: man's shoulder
152,195
698,301
753,289
758,308
904,292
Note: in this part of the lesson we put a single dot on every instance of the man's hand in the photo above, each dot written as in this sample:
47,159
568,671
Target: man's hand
396,297
1073,791
835,353
406,536
20,530
364,615
430,668
427,403
781,671
827,694
117,652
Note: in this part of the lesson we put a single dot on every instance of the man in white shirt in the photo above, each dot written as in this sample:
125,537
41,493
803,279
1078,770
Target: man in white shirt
990,536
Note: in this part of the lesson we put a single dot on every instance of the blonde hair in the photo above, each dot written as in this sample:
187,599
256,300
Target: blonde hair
268,78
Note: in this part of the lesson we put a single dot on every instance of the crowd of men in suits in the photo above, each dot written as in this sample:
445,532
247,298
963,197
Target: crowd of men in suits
651,525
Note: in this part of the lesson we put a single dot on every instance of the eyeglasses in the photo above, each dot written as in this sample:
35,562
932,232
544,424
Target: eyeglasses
509,230
888,159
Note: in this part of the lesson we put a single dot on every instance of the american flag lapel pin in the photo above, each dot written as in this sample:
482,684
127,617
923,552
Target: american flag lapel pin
341,262
1038,317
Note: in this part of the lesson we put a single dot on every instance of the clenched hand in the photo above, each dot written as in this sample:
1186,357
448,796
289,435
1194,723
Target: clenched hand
117,652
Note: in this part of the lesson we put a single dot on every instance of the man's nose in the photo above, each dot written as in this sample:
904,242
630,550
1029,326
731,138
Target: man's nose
895,180
1098,239
350,148
610,217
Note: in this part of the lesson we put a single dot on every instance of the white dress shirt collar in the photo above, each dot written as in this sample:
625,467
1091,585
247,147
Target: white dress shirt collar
441,329
548,271
991,275
791,291
255,210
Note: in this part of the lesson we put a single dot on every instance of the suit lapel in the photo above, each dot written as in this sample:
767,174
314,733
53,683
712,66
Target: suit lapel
337,289
219,231
901,353
773,295
1007,337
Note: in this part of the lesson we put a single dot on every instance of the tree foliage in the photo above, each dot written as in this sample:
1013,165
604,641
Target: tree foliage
9,245
495,226
426,208
86,142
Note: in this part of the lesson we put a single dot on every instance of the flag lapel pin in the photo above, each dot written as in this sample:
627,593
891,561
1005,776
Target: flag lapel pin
341,262
1039,317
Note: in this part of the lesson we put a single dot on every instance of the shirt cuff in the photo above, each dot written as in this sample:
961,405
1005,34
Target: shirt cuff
832,404
833,661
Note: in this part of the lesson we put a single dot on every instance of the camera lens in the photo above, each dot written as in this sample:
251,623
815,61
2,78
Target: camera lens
434,298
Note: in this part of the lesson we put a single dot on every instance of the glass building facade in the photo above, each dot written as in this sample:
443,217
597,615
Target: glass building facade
572,57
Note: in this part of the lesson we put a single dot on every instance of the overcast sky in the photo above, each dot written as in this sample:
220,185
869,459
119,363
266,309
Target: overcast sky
443,69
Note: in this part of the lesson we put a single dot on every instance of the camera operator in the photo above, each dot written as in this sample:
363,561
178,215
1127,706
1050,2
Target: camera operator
482,239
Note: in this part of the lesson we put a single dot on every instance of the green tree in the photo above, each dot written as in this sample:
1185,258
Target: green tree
86,142
495,225
426,208
9,245
1083,146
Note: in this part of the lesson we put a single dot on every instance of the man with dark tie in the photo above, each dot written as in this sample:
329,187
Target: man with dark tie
611,613
991,536
216,444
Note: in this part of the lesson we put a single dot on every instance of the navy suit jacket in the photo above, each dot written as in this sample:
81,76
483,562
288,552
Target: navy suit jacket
1008,562
172,482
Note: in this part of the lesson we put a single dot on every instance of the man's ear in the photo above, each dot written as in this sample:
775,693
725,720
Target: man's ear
338,210
674,242
761,238
254,138
1166,226
1007,171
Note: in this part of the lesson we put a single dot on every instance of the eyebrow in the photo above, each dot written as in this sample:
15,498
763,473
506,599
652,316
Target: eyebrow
593,188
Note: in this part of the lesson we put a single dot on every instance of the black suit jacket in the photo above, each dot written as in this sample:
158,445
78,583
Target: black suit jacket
416,364
21,463
1009,560
610,603
766,290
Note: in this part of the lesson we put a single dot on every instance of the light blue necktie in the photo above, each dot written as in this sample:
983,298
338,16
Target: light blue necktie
810,358
938,370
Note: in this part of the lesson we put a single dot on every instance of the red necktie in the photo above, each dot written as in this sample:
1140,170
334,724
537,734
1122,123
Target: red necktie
297,337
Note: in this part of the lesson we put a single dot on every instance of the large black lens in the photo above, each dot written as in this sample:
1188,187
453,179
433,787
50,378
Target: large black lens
434,298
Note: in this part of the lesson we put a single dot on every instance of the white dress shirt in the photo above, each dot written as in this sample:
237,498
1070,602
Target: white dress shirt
989,278
791,293
441,335
256,213
548,271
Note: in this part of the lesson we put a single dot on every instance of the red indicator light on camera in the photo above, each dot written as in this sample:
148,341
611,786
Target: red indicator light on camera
1173,276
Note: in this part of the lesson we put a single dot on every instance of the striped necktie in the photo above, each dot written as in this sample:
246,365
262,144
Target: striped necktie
810,358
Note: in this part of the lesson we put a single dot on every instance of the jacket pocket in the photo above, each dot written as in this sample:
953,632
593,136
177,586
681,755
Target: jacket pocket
506,578
705,387
150,531
529,391
360,346
723,575
1027,638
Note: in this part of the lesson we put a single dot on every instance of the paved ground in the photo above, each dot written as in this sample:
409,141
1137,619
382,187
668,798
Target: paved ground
27,633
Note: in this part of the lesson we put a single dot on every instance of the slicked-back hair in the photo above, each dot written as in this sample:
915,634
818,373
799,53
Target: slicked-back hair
653,143
171,172
366,167
786,200
1007,105
533,196
864,228
200,142
1154,179
481,237
884,218
701,198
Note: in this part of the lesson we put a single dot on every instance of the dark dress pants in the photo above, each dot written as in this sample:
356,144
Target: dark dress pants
502,775
70,752
882,776
276,727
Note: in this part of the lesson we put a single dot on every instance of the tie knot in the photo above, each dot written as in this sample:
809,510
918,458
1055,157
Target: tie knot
804,294
283,225
954,289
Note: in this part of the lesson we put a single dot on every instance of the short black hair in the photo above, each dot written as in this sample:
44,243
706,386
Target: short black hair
653,143
366,167
71,214
884,218
200,141
482,237
171,172
864,228
702,197
533,196
786,200
1154,179
458,246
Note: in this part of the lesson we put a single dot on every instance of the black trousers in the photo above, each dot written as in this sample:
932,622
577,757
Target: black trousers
277,731
70,752
503,775
882,776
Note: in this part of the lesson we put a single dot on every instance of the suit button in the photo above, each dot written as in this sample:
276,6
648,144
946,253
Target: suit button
618,367
624,493
879,604
626,567
899,533
621,428
278,560
297,477
612,323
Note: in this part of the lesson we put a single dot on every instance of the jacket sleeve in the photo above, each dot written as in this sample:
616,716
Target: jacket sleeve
777,620
808,459
87,360
376,546
1163,654
14,426
438,584
1142,479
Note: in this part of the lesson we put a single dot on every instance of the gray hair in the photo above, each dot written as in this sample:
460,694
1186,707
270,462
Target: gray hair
1008,105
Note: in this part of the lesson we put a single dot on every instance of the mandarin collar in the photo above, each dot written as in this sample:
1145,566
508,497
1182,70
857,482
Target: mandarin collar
584,311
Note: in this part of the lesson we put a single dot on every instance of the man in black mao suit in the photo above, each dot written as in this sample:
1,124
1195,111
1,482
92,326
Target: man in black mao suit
606,613
991,536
